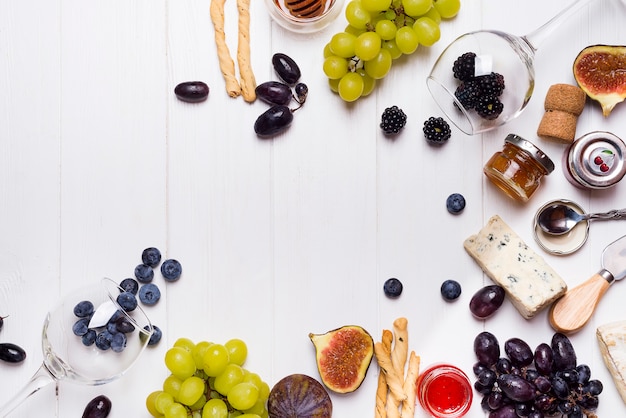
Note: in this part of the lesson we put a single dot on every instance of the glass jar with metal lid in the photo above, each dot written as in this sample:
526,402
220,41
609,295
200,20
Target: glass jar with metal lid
518,168
595,161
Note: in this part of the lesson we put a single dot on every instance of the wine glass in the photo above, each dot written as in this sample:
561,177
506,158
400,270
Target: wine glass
66,357
509,55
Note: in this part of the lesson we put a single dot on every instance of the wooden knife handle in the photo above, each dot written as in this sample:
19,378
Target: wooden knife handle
574,309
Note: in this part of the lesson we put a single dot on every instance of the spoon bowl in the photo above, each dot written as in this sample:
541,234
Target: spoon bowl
559,218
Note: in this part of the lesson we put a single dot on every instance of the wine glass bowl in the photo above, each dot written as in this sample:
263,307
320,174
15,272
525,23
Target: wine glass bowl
508,55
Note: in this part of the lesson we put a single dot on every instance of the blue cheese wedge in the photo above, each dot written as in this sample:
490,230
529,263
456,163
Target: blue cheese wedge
612,342
530,283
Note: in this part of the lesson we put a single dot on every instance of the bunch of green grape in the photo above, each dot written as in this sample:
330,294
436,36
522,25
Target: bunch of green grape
378,32
208,380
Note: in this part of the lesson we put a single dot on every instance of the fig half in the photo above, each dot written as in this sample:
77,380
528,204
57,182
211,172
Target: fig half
343,357
299,396
600,71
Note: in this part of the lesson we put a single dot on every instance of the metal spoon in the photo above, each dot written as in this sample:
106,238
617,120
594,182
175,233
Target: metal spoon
559,219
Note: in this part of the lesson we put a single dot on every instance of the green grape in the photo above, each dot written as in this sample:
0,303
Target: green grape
172,385
333,84
198,353
433,14
367,45
215,360
416,8
197,407
342,44
375,5
447,8
180,362
393,49
196,414
264,391
327,51
175,410
378,67
237,351
243,396
162,401
427,31
368,85
335,67
191,390
350,87
258,407
353,31
185,343
249,416
356,15
407,40
386,29
232,375
151,403
253,378
215,408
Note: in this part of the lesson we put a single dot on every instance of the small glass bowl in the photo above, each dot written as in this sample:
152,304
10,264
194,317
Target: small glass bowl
444,391
279,10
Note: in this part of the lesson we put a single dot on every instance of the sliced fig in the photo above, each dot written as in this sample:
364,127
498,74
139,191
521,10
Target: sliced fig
301,396
600,71
343,357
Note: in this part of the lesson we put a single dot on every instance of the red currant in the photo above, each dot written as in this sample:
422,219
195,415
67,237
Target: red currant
604,168
598,160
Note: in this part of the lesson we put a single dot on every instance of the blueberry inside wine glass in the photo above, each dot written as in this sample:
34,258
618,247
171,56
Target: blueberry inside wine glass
497,54
92,337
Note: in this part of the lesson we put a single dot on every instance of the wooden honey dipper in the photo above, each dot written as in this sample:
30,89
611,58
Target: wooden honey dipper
305,8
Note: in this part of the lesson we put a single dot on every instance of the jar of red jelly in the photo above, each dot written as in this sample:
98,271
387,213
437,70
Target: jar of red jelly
444,391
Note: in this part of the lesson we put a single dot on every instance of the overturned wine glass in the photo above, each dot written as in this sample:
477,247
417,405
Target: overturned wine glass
496,52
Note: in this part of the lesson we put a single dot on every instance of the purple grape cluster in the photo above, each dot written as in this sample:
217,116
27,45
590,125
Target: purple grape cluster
542,383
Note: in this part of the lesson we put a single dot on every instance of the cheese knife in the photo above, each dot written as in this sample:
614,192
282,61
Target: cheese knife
573,310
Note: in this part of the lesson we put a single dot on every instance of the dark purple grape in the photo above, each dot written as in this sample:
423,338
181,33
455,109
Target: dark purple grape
566,407
536,414
516,388
274,92
302,91
507,411
98,407
545,403
589,402
560,388
543,384
487,378
563,350
486,348
584,373
482,389
495,400
523,409
544,359
192,91
593,387
570,376
503,365
479,367
12,353
273,121
576,412
486,301
519,352
531,375
286,68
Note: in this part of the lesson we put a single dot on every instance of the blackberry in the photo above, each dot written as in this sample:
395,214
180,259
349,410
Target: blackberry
463,68
393,120
436,130
467,93
489,107
490,84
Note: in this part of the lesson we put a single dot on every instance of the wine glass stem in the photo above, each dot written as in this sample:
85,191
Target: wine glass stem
39,380
536,37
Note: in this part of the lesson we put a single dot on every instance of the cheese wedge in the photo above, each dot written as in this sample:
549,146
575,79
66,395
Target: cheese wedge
530,283
612,342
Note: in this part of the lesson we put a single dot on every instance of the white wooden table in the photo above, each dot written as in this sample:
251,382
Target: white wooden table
277,238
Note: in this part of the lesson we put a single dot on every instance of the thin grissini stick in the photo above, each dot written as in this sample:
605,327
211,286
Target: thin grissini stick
247,81
227,65
400,350
394,381
408,406
382,389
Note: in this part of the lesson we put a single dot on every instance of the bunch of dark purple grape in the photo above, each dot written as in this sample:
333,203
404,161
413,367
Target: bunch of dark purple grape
525,384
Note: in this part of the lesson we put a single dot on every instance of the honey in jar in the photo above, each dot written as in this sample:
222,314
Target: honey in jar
518,168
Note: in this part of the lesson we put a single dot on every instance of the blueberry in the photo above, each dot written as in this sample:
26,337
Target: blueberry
123,324
450,290
393,288
455,203
112,327
151,257
171,270
130,285
103,340
149,294
81,327
89,338
144,273
83,309
156,334
127,301
118,342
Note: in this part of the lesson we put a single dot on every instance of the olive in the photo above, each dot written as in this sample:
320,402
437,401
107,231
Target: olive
12,353
192,91
274,92
98,407
286,68
273,121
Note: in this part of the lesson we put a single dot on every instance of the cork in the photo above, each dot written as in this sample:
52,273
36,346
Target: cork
563,104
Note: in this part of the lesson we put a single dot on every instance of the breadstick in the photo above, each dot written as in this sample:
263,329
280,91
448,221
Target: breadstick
227,65
382,389
246,75
408,406
400,350
394,381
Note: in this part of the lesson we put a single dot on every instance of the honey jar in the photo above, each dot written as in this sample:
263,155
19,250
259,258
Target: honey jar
518,168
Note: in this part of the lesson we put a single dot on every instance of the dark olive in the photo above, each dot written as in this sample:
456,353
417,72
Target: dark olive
273,121
98,407
192,91
274,92
286,68
12,353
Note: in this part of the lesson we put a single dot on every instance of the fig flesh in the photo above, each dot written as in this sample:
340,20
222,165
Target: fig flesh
301,396
600,71
343,357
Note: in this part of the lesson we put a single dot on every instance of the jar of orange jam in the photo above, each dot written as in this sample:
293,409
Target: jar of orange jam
518,168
